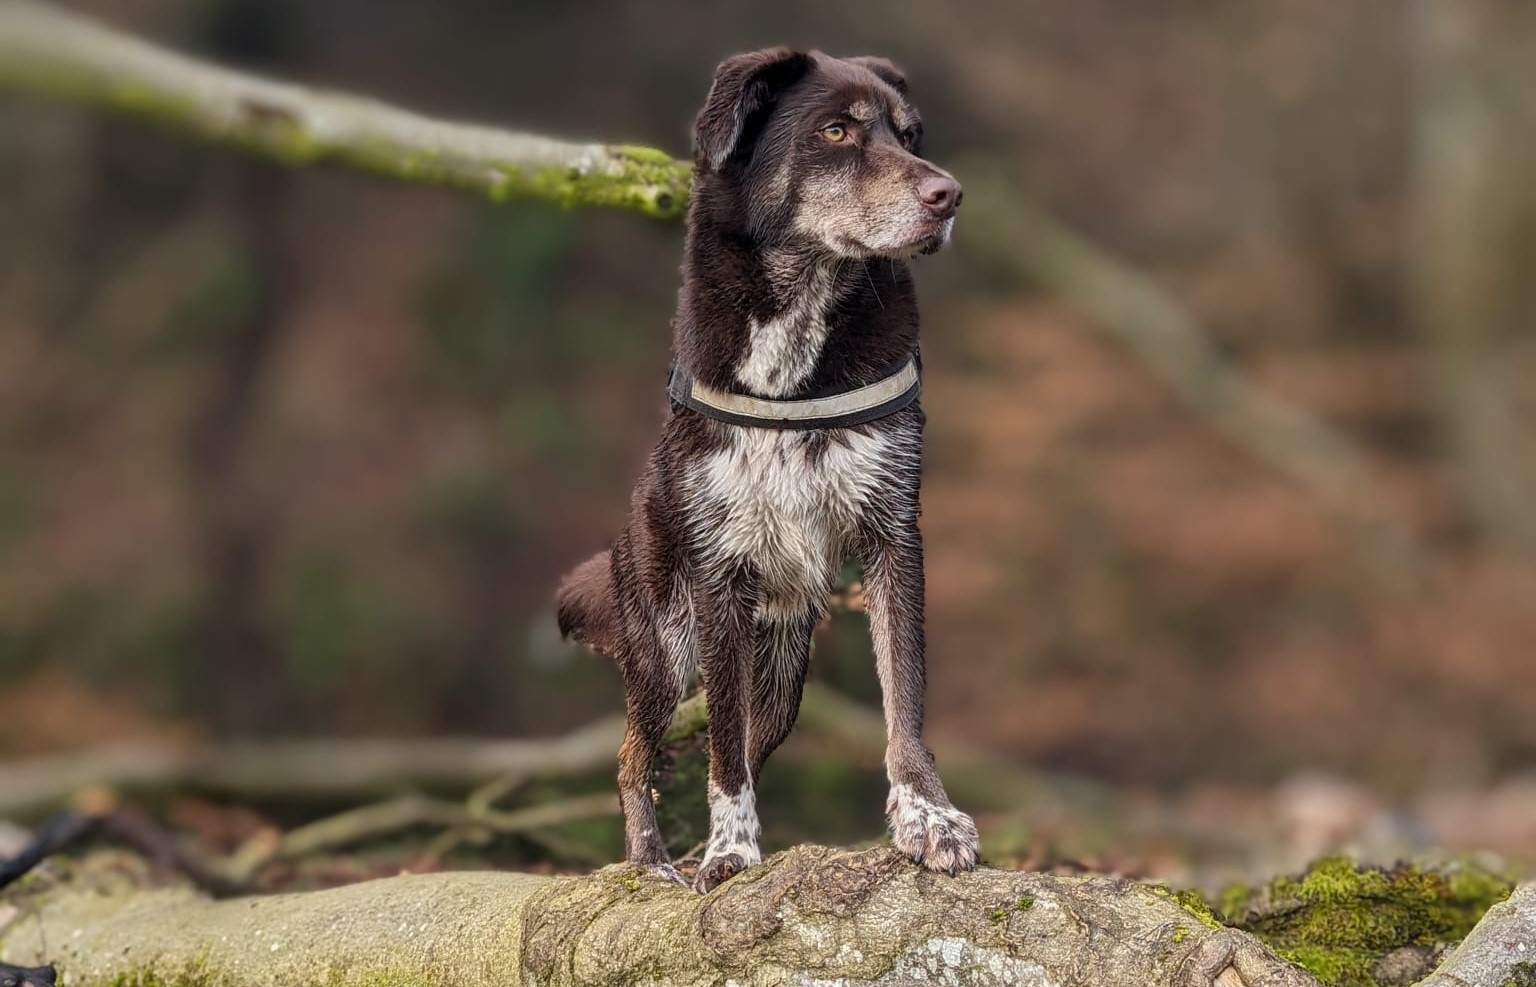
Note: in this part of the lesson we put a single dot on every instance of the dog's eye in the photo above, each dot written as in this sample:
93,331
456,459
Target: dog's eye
836,133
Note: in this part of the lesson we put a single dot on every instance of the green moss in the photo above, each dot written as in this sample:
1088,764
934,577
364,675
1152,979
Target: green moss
1337,920
631,882
1023,904
1333,965
1180,934
1190,901
1197,906
135,97
1476,887
149,978
1376,909
1521,975
638,178
1234,899
647,155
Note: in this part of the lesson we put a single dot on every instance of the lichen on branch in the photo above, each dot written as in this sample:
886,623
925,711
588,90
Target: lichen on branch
50,52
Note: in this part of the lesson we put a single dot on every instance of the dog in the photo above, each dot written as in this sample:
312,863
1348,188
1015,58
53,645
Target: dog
794,439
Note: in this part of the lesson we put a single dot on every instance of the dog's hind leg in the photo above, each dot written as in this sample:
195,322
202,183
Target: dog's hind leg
782,658
725,655
655,675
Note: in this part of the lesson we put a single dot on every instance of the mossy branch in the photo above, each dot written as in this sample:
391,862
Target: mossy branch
51,52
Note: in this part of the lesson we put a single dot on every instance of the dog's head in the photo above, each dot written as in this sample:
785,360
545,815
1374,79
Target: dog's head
825,151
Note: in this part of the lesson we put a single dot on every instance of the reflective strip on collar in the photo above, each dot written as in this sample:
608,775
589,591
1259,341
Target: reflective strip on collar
863,404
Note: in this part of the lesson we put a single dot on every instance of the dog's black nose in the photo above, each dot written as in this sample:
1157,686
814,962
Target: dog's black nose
941,194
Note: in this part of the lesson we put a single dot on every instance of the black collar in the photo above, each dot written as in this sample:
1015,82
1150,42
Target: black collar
885,396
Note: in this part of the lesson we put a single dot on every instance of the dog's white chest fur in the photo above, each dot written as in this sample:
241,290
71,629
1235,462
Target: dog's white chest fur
782,351
771,498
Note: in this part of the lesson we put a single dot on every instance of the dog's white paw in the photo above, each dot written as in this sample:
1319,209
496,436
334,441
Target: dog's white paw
725,858
935,834
716,870
733,830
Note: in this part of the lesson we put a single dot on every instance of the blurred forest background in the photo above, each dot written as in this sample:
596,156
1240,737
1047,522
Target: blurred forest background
305,452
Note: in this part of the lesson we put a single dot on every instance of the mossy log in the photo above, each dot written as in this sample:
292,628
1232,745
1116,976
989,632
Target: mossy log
808,916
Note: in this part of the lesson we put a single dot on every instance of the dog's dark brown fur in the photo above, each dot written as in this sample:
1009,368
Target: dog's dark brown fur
809,195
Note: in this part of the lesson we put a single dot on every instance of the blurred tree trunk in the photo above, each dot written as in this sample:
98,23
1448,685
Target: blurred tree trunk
238,676
1475,244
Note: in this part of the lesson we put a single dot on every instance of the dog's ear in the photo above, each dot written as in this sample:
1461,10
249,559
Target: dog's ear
885,69
743,93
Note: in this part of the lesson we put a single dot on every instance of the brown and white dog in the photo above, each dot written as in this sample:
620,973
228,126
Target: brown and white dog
809,195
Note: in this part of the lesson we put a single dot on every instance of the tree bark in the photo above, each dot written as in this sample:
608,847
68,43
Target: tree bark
1501,950
809,916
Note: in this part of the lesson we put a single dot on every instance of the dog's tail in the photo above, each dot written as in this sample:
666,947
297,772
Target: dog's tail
586,607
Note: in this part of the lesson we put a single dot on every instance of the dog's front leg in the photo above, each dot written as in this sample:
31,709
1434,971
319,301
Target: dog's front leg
725,653
924,824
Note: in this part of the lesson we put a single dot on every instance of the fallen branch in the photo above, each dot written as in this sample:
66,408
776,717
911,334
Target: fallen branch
105,818
49,51
808,916
341,768
225,876
409,812
330,767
